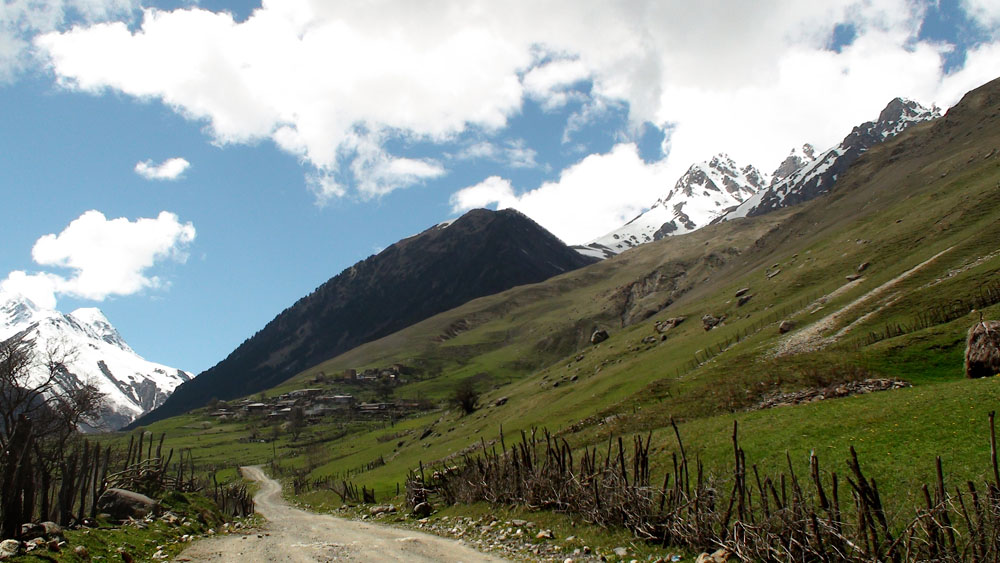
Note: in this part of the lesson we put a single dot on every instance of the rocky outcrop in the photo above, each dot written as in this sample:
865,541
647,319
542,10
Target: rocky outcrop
830,392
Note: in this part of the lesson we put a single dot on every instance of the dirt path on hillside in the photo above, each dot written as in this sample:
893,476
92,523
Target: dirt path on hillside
811,337
291,534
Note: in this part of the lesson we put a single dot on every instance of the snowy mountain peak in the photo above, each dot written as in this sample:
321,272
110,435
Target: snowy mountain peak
702,194
795,160
16,310
901,113
720,174
800,179
131,384
92,321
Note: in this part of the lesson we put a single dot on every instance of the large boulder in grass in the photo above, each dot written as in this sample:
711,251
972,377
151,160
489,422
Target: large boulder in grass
982,350
598,336
123,504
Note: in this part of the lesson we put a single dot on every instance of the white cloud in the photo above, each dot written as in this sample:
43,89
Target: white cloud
40,288
600,193
550,82
106,257
492,190
20,20
986,12
511,153
748,78
170,169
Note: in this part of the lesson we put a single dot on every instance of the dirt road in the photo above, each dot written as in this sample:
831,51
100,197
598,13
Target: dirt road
295,535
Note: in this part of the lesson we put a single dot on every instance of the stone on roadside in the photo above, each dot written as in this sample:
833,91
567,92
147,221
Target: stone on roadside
30,531
122,504
423,510
9,548
382,509
52,529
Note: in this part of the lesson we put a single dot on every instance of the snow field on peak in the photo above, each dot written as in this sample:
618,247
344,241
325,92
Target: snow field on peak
96,354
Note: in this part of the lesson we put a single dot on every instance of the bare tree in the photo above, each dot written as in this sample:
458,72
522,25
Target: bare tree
39,386
296,422
41,408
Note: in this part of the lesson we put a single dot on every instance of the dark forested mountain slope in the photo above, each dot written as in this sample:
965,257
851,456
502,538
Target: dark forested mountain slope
481,253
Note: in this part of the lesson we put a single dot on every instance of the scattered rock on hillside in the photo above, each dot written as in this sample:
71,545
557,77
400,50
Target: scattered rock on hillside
786,326
830,392
853,277
744,299
772,274
598,336
742,292
863,266
664,326
423,510
709,322
500,402
982,350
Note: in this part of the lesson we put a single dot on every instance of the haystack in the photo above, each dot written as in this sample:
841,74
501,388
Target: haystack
982,350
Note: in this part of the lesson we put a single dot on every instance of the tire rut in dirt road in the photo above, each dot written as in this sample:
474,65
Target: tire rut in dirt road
291,534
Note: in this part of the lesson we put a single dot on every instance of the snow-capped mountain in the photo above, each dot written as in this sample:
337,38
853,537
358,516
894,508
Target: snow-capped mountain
816,175
98,354
704,193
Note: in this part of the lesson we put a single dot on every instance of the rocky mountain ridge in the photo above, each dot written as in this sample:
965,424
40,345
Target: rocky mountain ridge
719,189
818,175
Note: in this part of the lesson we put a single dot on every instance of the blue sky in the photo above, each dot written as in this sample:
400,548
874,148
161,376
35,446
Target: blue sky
306,136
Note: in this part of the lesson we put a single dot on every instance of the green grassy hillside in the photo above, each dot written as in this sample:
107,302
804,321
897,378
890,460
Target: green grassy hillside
922,212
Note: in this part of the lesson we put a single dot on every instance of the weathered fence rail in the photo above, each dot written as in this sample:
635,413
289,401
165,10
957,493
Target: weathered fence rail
822,516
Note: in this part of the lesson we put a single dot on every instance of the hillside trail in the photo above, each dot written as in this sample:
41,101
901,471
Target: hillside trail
291,534
811,337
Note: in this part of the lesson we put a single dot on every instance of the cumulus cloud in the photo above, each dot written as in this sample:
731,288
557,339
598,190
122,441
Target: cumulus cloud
106,257
40,288
748,78
620,181
170,169
20,20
